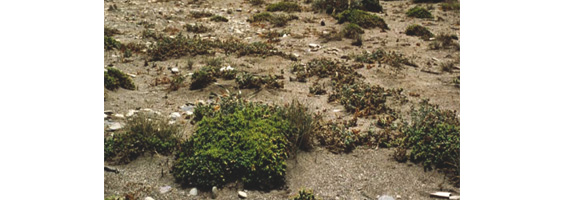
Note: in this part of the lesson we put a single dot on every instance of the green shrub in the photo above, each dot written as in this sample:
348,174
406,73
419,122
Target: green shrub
247,80
114,78
197,28
143,133
433,136
304,195
285,6
352,30
202,78
218,18
418,30
279,20
335,6
371,5
317,89
200,14
247,142
177,82
392,58
110,43
358,40
427,1
260,17
109,32
419,12
362,19
444,41
450,5
257,2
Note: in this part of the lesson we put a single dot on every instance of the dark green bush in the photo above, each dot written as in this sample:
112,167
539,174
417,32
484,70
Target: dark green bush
247,80
362,19
352,30
419,12
335,6
143,133
418,30
177,47
109,32
202,78
177,82
285,6
450,5
257,2
247,142
371,5
218,18
276,20
304,195
110,43
200,14
114,78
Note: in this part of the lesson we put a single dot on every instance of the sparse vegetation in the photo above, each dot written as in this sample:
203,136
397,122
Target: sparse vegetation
450,5
447,66
444,41
110,43
392,58
304,195
285,6
218,18
144,132
418,30
248,80
352,31
277,20
197,28
177,82
202,78
257,2
201,14
419,12
114,79
361,18
109,32
427,1
337,6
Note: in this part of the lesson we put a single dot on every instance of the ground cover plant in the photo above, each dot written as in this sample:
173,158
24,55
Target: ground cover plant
304,194
197,28
218,18
285,6
352,31
143,133
114,79
362,18
444,41
337,6
450,5
419,12
277,20
418,30
237,140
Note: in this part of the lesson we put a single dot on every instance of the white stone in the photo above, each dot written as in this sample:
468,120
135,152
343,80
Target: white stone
115,126
119,116
148,198
105,116
165,189
214,192
189,113
175,70
242,194
238,9
174,115
312,45
131,113
193,192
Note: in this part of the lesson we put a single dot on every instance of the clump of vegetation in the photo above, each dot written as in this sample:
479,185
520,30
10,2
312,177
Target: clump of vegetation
202,78
197,28
363,99
394,59
278,20
358,40
337,6
285,6
352,30
177,82
110,43
218,18
457,81
257,2
361,18
450,5
427,1
419,12
418,30
114,79
236,140
304,195
447,66
333,35
433,137
444,41
150,34
248,80
109,32
113,8
143,133
317,89
200,14
337,137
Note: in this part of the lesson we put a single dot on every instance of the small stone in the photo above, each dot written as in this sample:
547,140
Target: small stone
398,197
385,197
312,45
242,194
322,23
175,70
238,9
115,126
131,113
105,116
119,116
193,192
174,115
148,198
165,189
109,112
214,192
296,55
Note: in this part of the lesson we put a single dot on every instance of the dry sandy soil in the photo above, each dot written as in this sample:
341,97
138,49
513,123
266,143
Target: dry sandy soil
364,173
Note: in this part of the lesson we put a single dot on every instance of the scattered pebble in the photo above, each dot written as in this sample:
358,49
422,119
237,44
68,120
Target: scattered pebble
242,194
131,113
175,70
114,126
119,116
385,197
193,192
214,192
148,198
174,115
165,189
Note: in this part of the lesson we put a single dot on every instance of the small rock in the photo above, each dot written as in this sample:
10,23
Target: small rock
175,70
242,194
115,126
105,116
312,45
238,9
385,197
214,192
296,55
398,197
132,75
131,113
109,112
174,115
148,198
165,189
322,23
454,197
193,192
119,116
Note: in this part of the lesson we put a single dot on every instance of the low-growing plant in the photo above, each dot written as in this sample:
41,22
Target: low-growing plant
277,20
337,137
358,40
304,195
248,80
427,1
333,35
200,14
317,89
109,32
197,28
236,140
447,66
149,34
419,12
256,2
352,30
218,18
392,58
113,8
361,18
450,5
285,6
418,30
144,132
177,82
110,43
114,79
371,5
337,6
202,78
444,41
